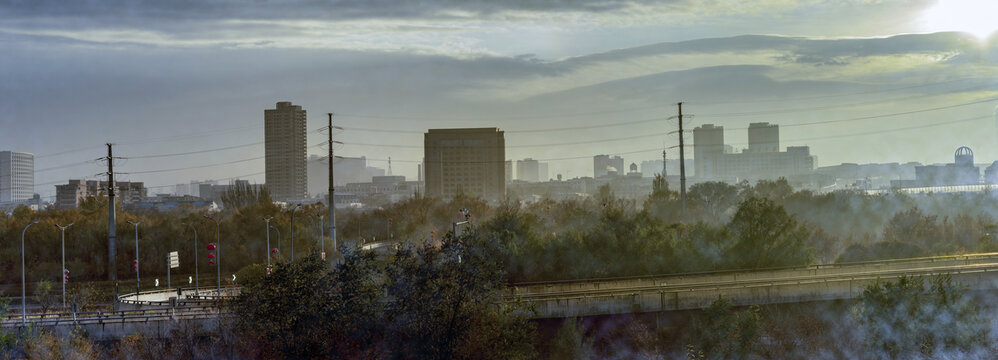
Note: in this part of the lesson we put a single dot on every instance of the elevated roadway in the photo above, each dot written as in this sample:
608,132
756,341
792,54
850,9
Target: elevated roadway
743,287
155,313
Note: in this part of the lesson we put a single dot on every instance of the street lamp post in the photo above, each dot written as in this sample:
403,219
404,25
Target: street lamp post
322,238
24,303
195,257
136,224
218,258
64,274
467,220
293,231
278,240
267,220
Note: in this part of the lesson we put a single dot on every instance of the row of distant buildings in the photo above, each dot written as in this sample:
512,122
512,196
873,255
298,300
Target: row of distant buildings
472,161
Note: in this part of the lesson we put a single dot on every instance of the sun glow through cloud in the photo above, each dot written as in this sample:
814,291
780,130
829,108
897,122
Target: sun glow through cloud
976,17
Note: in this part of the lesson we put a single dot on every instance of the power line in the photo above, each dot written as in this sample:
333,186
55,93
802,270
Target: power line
817,138
200,166
191,167
879,116
65,166
584,127
794,110
192,135
716,115
195,152
590,113
521,146
815,97
885,115
67,152
222,179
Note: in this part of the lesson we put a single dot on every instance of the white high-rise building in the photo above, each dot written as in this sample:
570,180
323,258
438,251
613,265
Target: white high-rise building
17,176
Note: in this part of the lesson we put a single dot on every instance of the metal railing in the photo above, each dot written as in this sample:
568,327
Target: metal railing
929,259
110,317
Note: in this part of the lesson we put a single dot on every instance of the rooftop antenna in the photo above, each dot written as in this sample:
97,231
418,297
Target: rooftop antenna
663,163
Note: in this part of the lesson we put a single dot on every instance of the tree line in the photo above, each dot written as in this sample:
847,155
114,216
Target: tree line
725,226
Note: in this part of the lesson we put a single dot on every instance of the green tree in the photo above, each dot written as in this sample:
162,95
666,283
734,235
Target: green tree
913,227
776,190
447,303
47,295
663,203
720,332
711,199
241,195
766,236
571,342
906,319
306,310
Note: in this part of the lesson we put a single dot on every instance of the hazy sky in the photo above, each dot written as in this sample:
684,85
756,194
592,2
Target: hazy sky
857,80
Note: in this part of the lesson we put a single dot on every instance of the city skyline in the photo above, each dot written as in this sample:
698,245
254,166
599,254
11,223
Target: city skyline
856,82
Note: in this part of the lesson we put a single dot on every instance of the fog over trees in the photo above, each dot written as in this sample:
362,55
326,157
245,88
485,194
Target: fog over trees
436,294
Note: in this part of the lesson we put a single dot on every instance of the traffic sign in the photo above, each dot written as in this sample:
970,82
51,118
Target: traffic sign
174,260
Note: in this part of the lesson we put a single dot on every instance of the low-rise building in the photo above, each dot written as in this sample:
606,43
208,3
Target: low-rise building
68,196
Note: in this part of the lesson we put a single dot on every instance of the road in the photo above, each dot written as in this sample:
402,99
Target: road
616,295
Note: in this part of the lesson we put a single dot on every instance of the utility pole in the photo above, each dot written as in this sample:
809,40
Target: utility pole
682,163
332,190
112,236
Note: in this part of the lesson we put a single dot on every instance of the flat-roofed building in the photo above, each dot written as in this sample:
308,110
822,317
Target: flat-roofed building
68,196
471,161
17,176
285,147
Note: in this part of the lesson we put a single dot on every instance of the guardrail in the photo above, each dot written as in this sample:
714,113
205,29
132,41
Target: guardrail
929,259
183,296
695,290
741,292
110,317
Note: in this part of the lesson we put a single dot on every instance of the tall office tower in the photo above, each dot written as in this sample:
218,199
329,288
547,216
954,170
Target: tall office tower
285,155
763,138
542,172
17,176
528,170
708,148
471,161
604,164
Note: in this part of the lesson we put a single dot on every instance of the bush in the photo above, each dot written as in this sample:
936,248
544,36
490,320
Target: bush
251,274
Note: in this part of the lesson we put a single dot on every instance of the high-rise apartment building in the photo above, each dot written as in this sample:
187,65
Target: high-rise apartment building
528,170
347,170
285,152
471,161
762,160
509,171
17,176
708,148
763,138
603,165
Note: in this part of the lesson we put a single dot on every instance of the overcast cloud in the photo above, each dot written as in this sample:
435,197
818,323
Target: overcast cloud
157,76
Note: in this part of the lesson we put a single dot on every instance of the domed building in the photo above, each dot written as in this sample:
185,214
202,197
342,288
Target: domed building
961,172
